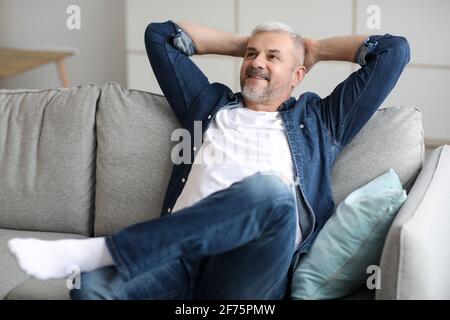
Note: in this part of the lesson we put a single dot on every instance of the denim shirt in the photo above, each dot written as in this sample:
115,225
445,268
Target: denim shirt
317,128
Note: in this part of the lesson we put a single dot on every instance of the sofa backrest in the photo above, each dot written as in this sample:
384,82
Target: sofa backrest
47,159
392,138
133,158
93,160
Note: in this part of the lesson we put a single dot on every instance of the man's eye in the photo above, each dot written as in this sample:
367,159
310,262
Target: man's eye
274,58
250,54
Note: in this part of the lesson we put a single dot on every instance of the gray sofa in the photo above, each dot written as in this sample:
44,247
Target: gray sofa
90,160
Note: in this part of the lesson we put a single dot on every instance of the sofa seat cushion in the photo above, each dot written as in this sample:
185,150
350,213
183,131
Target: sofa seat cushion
33,289
15,284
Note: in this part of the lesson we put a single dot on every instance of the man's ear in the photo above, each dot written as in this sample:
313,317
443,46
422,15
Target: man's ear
299,74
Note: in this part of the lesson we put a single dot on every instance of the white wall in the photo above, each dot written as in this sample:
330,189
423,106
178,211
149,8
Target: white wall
110,43
425,83
42,24
214,13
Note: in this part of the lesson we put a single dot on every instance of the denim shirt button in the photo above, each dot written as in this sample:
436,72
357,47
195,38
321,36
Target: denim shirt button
209,116
302,125
194,148
168,210
183,180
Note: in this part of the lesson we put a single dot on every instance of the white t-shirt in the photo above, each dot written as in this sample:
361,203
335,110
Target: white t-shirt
238,143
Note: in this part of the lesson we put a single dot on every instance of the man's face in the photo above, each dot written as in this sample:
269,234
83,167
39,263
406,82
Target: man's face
269,70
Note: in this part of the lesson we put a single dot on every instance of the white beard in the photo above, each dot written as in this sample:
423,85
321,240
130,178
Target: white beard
253,93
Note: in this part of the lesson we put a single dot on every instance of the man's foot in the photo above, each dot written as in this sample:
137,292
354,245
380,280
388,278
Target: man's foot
45,259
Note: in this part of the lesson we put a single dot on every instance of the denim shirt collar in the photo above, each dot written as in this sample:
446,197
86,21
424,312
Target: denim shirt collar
286,105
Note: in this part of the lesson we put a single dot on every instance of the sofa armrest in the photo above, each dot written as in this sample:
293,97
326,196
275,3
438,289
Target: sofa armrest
415,262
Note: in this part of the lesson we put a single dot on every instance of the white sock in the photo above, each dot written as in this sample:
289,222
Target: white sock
45,259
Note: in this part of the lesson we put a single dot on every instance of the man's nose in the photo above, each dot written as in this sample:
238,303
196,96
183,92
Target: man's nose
259,62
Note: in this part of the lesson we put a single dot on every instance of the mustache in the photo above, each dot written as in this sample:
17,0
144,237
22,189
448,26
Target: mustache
251,72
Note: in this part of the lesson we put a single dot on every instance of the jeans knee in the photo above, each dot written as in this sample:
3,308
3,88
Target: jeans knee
268,185
270,190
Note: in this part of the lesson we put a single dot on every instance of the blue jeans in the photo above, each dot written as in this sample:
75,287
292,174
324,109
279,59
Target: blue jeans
237,243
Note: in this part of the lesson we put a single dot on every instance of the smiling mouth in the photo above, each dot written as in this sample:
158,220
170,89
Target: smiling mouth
257,77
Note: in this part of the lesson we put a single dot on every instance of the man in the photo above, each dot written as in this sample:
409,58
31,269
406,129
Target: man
238,228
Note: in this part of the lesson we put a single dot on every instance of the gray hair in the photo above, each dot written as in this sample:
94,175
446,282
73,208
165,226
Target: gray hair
275,26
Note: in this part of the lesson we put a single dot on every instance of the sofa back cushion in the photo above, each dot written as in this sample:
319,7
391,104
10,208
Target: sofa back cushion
47,159
133,157
391,139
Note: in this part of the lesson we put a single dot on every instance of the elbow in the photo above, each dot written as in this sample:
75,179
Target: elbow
158,32
394,48
152,32
397,48
402,49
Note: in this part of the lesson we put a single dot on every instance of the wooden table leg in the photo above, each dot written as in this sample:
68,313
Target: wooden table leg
62,73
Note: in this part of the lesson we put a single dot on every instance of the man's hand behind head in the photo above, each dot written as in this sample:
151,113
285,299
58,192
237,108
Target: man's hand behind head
311,48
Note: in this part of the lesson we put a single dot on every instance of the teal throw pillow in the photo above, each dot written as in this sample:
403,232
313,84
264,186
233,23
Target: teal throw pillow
350,241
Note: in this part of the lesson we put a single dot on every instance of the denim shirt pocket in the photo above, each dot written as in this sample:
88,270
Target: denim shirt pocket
310,140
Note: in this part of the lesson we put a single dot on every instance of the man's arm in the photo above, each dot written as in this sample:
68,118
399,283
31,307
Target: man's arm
214,41
342,48
169,46
351,104
181,81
